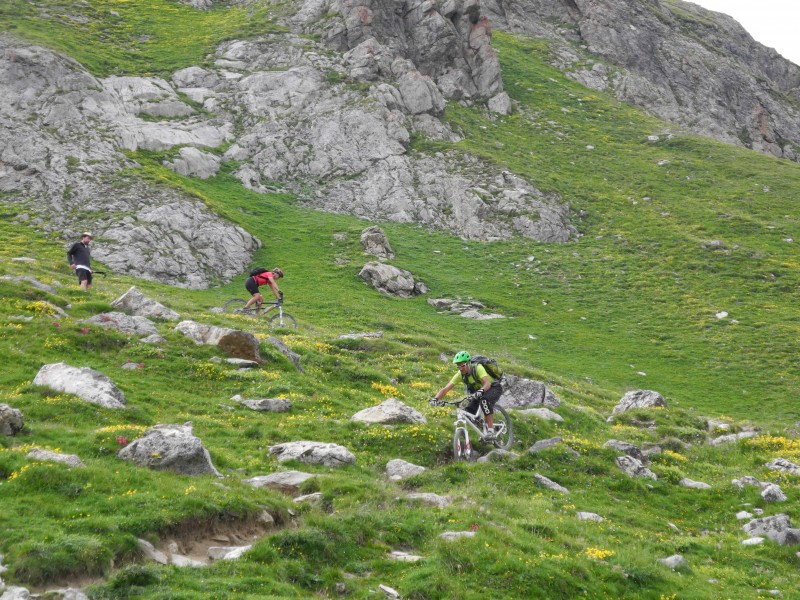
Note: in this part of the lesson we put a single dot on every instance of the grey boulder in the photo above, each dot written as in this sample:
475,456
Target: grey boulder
389,411
135,303
392,281
11,421
85,383
171,448
639,399
313,453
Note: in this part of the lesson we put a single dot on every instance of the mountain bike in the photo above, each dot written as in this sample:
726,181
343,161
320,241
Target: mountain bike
462,449
282,319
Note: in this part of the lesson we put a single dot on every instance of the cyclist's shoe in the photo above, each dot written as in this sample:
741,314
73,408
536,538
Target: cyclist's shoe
489,437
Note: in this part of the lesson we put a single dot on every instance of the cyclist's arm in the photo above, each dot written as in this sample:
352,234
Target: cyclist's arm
480,373
274,287
443,392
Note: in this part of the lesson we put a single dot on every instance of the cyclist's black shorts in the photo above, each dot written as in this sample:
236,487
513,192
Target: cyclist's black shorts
251,286
491,397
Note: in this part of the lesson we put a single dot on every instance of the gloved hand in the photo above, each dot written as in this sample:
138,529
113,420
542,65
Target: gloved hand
475,395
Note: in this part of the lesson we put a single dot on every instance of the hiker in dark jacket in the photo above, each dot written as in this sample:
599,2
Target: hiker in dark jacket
80,259
263,278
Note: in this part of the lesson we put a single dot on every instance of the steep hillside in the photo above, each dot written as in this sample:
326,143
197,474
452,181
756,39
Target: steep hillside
679,276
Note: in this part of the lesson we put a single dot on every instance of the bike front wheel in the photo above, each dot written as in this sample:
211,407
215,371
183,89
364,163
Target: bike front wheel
285,321
503,432
461,446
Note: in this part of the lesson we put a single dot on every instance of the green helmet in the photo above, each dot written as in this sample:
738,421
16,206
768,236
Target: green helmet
461,357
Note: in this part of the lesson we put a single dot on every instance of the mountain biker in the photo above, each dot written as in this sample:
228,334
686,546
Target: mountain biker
80,260
484,390
263,278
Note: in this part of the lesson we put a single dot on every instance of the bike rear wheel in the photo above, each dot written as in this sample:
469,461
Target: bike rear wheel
236,305
461,446
285,321
503,432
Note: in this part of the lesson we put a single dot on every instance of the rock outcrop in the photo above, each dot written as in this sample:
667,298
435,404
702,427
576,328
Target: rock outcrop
11,421
687,65
62,136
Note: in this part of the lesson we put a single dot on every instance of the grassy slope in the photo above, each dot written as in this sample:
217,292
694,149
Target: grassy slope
637,293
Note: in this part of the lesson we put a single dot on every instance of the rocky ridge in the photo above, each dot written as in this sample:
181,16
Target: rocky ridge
686,65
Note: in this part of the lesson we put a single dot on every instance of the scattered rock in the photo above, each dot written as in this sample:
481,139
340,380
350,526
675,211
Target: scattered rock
753,541
288,482
633,467
71,460
626,448
541,445
451,536
315,498
124,323
784,465
498,455
376,243
675,562
287,352
32,281
389,411
694,485
733,438
541,413
227,552
773,493
589,516
11,421
313,453
240,344
430,499
500,104
87,384
401,556
639,399
151,553
358,336
133,302
549,484
170,447
398,469
392,281
265,404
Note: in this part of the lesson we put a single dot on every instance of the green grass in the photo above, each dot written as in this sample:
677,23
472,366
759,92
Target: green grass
145,37
636,293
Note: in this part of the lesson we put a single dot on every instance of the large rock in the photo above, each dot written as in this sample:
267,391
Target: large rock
313,453
124,323
778,528
389,411
783,464
265,404
376,243
85,383
192,162
519,392
639,399
392,281
135,303
11,421
240,344
170,447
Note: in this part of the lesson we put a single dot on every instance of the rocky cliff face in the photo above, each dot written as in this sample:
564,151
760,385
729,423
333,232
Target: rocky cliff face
684,64
336,117
62,133
289,110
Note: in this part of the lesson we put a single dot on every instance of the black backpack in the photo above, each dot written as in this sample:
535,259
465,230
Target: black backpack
258,271
494,370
